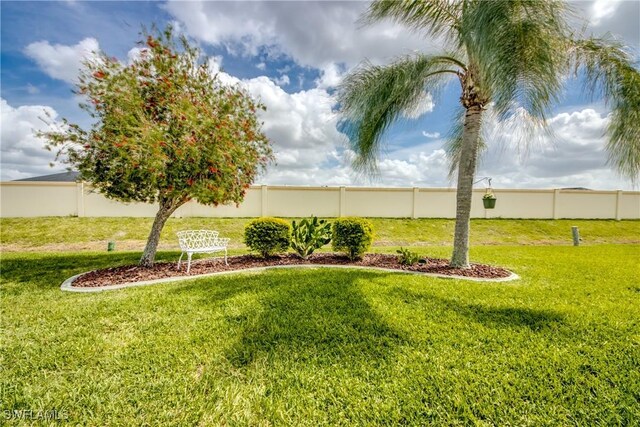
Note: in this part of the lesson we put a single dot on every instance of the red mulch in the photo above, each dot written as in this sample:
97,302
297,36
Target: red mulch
132,273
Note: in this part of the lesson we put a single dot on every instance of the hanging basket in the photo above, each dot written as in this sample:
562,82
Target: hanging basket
489,202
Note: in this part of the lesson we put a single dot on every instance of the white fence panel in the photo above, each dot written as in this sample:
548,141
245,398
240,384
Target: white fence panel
32,199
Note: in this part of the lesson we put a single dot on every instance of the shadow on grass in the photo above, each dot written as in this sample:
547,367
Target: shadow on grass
323,317
49,270
494,316
306,316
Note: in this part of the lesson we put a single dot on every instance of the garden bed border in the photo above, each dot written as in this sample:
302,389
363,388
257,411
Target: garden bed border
67,285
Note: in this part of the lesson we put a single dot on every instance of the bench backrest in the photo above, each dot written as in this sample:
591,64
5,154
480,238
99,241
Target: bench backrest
197,239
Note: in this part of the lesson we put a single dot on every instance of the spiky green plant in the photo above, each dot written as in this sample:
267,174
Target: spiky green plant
514,55
407,257
309,234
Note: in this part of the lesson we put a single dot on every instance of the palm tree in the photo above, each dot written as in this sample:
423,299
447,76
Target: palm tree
511,55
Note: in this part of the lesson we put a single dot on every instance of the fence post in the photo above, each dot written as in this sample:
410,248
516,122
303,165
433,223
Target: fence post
414,211
343,202
556,196
263,200
618,204
80,199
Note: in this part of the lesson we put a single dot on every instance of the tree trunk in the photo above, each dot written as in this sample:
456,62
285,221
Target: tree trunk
466,173
167,207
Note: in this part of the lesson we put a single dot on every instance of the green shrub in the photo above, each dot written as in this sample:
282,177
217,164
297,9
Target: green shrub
268,236
309,235
352,236
407,257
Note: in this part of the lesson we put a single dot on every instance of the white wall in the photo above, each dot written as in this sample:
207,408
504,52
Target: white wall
30,199
379,202
302,201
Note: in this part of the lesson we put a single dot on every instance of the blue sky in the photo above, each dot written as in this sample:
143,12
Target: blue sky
291,55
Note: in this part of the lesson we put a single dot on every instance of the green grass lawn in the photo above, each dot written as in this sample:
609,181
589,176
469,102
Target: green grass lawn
561,346
67,233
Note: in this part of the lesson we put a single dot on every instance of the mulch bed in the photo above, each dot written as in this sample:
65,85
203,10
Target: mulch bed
128,274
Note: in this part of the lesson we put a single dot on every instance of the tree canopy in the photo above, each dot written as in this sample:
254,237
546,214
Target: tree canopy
165,130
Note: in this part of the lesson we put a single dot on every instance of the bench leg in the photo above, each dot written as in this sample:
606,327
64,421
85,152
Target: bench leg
188,262
225,256
180,259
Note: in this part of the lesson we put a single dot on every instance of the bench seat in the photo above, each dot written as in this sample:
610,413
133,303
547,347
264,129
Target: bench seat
200,242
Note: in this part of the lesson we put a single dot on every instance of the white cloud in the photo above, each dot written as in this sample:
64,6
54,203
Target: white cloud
215,65
332,43
330,76
603,9
311,33
308,147
424,105
619,18
573,156
317,34
313,177
302,127
134,54
23,154
283,80
289,172
59,61
431,135
419,166
398,172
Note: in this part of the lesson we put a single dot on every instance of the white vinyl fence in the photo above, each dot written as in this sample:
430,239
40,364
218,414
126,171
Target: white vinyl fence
33,199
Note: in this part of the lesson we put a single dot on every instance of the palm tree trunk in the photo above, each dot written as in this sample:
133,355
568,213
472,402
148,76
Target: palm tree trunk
167,207
466,173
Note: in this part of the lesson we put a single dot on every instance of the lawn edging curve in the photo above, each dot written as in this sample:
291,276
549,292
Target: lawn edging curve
67,285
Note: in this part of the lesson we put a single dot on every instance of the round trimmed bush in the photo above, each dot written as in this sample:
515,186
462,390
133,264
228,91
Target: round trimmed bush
352,236
268,236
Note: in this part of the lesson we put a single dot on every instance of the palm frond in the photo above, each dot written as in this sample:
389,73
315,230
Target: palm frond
521,128
520,131
519,47
611,74
372,97
435,17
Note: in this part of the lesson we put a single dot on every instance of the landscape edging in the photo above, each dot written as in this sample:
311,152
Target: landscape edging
67,285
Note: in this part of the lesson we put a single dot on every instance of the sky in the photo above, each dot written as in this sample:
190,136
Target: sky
291,55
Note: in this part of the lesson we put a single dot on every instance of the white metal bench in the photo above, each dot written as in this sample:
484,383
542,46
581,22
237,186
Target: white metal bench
201,241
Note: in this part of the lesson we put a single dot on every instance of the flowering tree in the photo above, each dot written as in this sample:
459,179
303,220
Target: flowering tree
165,131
